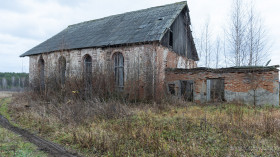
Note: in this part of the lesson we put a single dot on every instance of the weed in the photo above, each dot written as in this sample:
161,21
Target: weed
116,128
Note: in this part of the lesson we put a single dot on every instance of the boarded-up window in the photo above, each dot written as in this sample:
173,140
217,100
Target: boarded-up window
215,90
62,69
88,71
171,88
42,74
187,89
119,70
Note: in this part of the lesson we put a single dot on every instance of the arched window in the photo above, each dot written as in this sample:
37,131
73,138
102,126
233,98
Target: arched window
62,69
119,70
41,65
88,70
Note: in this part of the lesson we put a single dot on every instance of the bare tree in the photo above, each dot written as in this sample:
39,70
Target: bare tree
236,33
257,44
205,48
218,51
207,44
247,37
224,50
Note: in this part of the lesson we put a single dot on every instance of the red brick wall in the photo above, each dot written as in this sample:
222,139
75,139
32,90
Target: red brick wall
166,58
237,81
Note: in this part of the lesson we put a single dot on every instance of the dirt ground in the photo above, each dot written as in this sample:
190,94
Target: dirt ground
4,94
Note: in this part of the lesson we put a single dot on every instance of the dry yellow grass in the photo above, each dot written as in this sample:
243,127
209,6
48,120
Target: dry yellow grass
152,129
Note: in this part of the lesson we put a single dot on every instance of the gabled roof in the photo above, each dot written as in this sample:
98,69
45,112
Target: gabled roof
133,27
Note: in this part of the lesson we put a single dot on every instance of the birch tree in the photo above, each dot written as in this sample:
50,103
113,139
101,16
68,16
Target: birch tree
217,52
205,48
258,44
237,34
248,42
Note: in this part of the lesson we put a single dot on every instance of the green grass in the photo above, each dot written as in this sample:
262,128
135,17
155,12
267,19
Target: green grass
12,144
4,107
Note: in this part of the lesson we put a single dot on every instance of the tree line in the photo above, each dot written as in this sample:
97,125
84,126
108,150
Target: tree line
13,81
244,41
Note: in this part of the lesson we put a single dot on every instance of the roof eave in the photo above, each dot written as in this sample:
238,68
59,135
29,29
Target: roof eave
104,46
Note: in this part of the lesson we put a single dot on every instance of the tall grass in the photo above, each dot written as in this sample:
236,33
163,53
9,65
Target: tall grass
116,128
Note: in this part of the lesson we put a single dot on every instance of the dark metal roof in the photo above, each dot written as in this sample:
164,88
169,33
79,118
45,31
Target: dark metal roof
146,25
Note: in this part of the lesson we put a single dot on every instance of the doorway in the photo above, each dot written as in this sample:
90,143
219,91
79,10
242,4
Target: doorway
215,90
187,89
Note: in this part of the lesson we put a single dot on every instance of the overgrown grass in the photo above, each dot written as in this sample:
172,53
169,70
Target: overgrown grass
4,107
153,129
12,144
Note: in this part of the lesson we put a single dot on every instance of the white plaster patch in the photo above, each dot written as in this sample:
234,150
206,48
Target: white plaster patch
181,63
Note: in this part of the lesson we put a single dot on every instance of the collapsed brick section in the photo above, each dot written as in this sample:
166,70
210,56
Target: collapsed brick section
250,85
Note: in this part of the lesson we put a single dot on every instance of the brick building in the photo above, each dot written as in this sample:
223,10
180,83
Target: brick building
249,85
148,53
136,46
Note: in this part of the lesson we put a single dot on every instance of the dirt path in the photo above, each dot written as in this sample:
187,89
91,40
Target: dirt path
44,145
5,94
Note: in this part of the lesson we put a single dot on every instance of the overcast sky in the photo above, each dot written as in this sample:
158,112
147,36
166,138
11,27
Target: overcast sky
27,23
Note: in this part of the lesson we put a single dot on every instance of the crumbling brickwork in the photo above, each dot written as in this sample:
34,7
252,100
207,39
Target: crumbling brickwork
144,65
255,85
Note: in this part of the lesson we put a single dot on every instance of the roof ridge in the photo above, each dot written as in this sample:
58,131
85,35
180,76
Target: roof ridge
177,3
91,34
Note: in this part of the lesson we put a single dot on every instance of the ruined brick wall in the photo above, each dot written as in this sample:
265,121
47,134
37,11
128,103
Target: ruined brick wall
239,84
166,58
144,65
